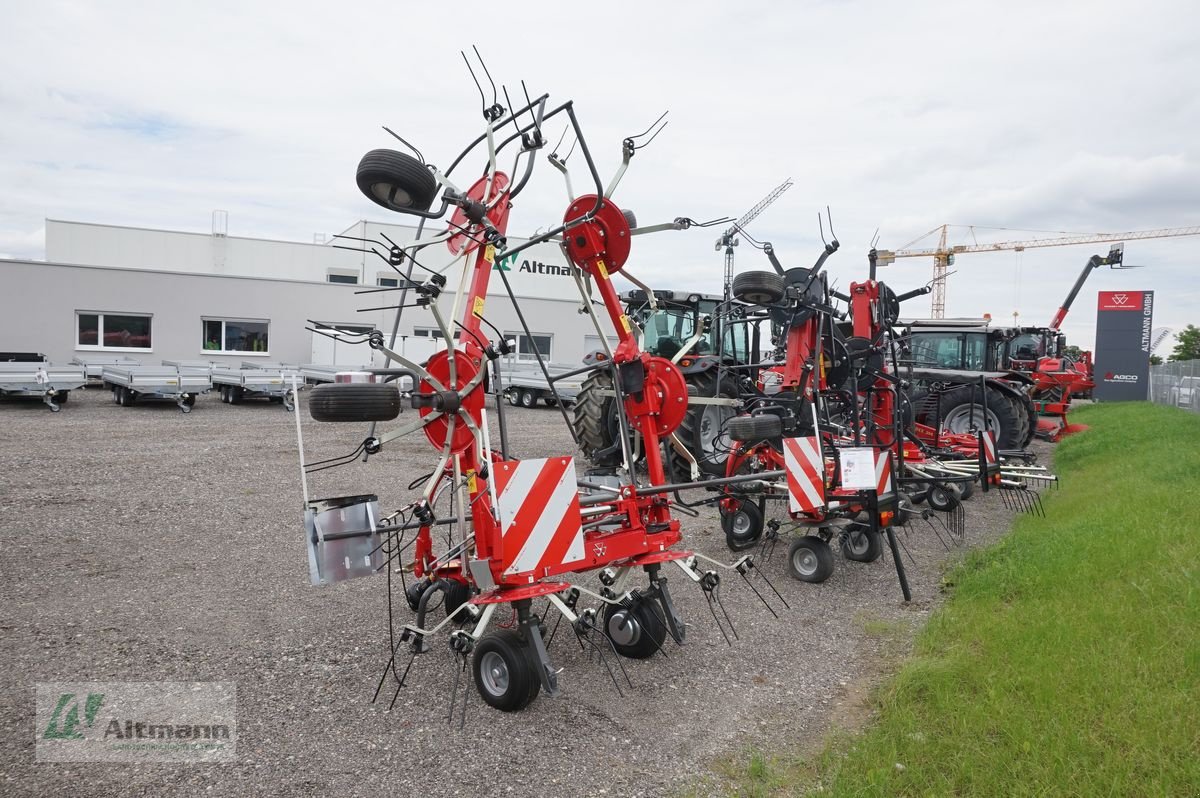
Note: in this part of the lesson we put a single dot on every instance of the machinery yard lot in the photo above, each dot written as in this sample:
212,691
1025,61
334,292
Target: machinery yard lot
142,544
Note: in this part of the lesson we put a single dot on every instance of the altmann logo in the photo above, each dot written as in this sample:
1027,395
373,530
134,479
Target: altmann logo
1110,377
507,263
66,727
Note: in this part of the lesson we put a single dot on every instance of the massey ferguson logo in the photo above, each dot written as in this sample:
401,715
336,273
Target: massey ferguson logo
1110,377
1120,299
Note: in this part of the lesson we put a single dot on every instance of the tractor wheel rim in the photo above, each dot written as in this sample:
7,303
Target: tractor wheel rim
623,628
962,418
804,561
714,433
494,671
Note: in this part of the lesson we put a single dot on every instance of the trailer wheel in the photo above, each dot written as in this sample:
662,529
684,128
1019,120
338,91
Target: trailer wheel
758,288
61,397
704,430
236,394
528,399
860,544
636,631
396,181
354,401
942,499
504,672
128,396
810,559
752,429
189,399
550,400
743,526
289,400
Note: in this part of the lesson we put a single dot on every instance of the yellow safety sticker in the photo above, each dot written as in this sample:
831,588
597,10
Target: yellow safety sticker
471,487
477,310
625,323
603,269
489,253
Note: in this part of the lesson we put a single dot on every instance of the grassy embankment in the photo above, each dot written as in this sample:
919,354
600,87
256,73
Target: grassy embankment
1067,660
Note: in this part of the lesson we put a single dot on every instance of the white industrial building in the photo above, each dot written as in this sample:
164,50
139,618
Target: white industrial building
161,294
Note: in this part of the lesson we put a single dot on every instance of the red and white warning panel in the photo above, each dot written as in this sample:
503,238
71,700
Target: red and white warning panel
883,473
540,524
989,447
805,466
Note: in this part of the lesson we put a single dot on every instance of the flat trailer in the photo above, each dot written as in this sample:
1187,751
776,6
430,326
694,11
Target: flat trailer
322,372
93,365
180,385
236,385
52,384
526,385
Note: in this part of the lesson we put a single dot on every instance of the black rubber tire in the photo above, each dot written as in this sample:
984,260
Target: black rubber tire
528,399
636,632
595,418
189,400
758,288
743,527
456,595
703,431
941,499
128,397
1011,421
513,396
396,181
61,397
965,489
236,394
504,673
860,544
224,392
810,559
752,429
354,401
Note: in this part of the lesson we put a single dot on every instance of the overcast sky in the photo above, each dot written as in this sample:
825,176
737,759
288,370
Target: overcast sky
1073,117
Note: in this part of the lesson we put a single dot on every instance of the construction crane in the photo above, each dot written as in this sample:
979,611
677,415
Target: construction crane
729,238
943,255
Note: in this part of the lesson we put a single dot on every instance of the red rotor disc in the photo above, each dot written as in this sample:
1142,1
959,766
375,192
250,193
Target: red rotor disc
664,377
498,215
604,238
465,371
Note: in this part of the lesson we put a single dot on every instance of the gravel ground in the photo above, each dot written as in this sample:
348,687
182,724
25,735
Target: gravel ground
141,544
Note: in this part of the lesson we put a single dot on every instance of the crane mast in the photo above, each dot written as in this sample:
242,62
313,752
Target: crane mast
729,238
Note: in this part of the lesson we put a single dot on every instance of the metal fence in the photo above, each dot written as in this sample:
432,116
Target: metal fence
1176,384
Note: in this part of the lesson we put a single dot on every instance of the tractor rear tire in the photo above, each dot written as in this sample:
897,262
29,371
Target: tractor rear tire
752,429
704,431
396,181
1004,416
354,401
758,288
596,421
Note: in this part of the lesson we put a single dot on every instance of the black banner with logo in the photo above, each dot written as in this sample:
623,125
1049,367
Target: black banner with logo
1123,323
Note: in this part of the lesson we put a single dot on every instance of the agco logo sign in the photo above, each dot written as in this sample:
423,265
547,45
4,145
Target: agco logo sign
1110,377
1120,299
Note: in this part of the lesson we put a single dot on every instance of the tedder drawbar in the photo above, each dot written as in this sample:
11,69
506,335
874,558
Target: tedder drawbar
519,530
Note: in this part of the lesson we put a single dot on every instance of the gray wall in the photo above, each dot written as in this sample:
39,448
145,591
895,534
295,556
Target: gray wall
38,302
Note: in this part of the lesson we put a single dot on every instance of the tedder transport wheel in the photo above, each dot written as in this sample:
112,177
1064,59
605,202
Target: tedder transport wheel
636,632
810,559
396,181
942,499
1004,418
861,544
758,288
703,431
504,672
743,526
354,401
596,421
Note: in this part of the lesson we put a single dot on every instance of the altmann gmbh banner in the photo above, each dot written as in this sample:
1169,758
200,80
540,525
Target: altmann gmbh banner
1123,323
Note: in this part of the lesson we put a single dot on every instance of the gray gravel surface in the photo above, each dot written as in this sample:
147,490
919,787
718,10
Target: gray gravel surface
141,544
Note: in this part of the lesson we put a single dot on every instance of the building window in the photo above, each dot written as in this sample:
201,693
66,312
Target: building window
235,335
96,330
529,347
335,277
388,282
426,332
